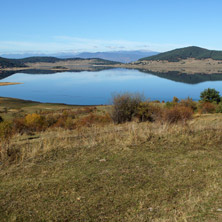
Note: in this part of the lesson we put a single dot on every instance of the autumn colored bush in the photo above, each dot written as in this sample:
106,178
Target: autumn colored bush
177,114
188,103
207,107
19,126
5,136
92,119
35,122
175,100
5,130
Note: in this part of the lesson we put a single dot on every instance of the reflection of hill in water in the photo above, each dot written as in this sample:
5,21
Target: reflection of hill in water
186,78
5,74
174,76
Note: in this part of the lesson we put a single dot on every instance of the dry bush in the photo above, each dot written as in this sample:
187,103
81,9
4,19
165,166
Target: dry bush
207,107
147,111
5,130
92,119
5,136
177,114
125,107
19,126
175,99
188,103
85,110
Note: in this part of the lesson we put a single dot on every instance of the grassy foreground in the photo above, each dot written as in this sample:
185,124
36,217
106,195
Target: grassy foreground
127,172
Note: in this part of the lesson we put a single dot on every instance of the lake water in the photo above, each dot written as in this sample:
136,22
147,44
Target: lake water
94,88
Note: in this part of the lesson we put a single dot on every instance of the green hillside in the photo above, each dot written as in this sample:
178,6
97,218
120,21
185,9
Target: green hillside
185,53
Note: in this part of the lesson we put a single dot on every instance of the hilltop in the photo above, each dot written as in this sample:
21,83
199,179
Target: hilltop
186,53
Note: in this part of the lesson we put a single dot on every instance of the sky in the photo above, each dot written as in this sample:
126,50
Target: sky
52,26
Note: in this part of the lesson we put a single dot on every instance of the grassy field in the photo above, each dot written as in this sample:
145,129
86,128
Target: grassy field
125,172
10,107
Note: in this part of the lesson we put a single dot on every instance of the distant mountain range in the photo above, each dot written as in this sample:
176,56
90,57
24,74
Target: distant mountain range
118,56
185,53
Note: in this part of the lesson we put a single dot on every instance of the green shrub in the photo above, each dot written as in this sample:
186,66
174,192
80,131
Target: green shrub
125,107
210,95
147,111
219,108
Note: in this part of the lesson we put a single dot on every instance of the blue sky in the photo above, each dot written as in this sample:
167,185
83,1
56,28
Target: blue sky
108,25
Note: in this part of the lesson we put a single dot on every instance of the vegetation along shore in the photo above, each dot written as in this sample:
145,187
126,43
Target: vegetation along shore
132,161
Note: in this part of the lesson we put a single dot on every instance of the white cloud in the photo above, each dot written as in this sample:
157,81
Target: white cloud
73,44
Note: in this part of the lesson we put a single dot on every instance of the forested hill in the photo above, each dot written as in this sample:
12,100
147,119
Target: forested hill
10,63
185,53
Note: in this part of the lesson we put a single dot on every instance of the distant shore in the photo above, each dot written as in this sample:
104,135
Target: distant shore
188,66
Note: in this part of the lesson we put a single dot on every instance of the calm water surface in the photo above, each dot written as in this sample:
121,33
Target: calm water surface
91,88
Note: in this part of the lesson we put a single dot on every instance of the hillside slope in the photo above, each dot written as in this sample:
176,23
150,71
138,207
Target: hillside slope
185,53
10,63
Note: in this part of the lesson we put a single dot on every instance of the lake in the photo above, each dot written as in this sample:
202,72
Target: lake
97,87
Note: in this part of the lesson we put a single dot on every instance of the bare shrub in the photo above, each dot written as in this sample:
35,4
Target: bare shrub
125,107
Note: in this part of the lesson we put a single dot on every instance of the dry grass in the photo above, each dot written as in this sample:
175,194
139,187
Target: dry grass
128,172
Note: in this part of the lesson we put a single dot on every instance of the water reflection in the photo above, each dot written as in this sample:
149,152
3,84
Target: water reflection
88,88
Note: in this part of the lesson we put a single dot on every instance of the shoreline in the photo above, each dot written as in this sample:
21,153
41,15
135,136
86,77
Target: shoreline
189,66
